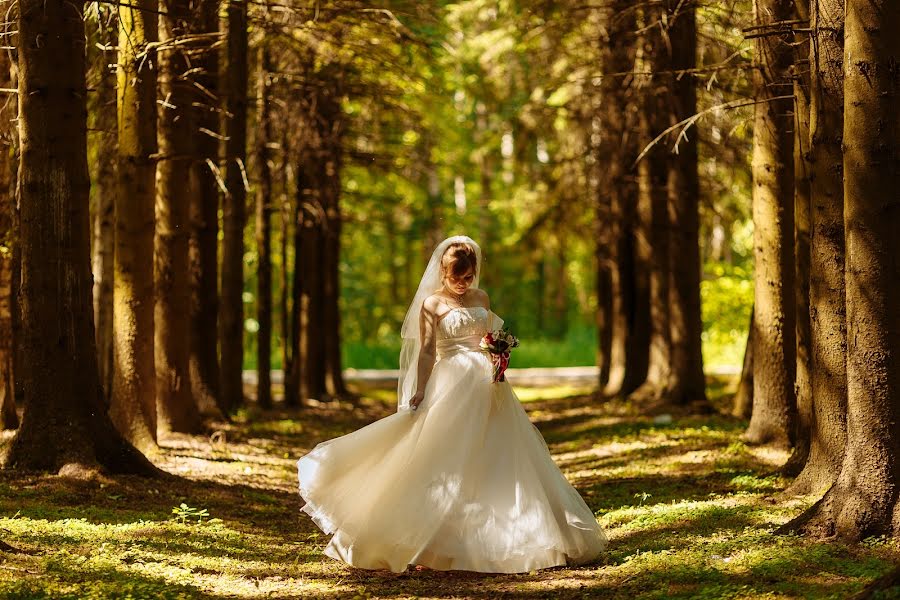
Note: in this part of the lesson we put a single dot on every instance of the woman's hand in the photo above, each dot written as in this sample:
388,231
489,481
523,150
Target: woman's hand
416,400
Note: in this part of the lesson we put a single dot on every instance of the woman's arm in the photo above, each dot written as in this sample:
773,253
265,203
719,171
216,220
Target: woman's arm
427,352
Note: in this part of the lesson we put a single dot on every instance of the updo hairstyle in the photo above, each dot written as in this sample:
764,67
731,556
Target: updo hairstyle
458,258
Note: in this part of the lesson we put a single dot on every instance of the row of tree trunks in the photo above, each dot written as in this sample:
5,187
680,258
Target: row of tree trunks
826,435
315,366
133,398
175,403
64,426
231,317
863,500
649,268
774,405
204,223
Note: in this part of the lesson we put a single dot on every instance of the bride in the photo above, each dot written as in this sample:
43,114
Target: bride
458,478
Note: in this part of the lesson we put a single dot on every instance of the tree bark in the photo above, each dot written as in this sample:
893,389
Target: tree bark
863,501
104,124
204,226
176,406
234,208
686,382
743,398
264,232
133,400
774,404
827,436
803,377
9,419
652,214
65,426
286,212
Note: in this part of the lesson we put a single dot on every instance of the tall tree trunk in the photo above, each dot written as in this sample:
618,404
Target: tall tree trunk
175,403
293,370
653,218
774,405
9,419
864,499
65,426
803,377
133,401
686,380
234,208
827,436
286,212
104,123
743,397
264,231
204,225
308,358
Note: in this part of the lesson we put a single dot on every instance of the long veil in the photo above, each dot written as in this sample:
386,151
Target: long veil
430,283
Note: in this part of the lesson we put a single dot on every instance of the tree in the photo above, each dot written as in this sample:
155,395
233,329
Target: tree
104,124
802,207
863,500
827,434
774,404
686,379
9,419
176,406
204,221
64,423
264,229
653,230
234,208
133,399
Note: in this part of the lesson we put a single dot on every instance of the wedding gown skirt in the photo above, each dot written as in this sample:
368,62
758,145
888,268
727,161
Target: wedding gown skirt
465,482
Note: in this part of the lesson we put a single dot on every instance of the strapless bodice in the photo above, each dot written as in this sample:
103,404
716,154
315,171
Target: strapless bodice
462,328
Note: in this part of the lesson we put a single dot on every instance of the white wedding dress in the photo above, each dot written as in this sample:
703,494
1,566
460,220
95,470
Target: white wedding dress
465,482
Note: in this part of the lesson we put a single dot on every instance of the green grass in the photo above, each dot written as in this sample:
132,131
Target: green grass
688,508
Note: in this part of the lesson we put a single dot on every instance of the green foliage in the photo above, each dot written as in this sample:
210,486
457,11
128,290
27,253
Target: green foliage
184,513
727,302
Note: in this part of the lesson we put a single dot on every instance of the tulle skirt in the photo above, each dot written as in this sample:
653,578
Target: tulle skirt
465,482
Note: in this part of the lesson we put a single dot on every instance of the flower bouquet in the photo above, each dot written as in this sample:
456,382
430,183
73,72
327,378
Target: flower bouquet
498,343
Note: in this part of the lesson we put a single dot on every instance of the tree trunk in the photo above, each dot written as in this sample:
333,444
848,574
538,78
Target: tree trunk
176,406
827,435
9,419
803,377
686,382
104,124
286,212
653,218
308,357
264,232
863,501
204,226
65,426
743,398
774,405
133,401
234,208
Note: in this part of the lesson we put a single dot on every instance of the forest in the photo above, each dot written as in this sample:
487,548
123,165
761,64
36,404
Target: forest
214,215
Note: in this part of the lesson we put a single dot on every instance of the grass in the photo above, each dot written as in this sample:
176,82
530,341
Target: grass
688,508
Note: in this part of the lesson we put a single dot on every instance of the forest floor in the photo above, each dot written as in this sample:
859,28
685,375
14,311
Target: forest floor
690,511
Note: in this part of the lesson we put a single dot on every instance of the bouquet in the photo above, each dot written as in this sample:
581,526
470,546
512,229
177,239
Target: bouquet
498,343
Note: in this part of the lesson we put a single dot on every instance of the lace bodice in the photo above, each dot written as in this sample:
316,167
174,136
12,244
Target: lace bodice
462,322
462,329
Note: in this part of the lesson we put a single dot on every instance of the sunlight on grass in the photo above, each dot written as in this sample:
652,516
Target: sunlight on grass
687,506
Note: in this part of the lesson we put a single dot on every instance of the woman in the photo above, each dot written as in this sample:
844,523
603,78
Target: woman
458,478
